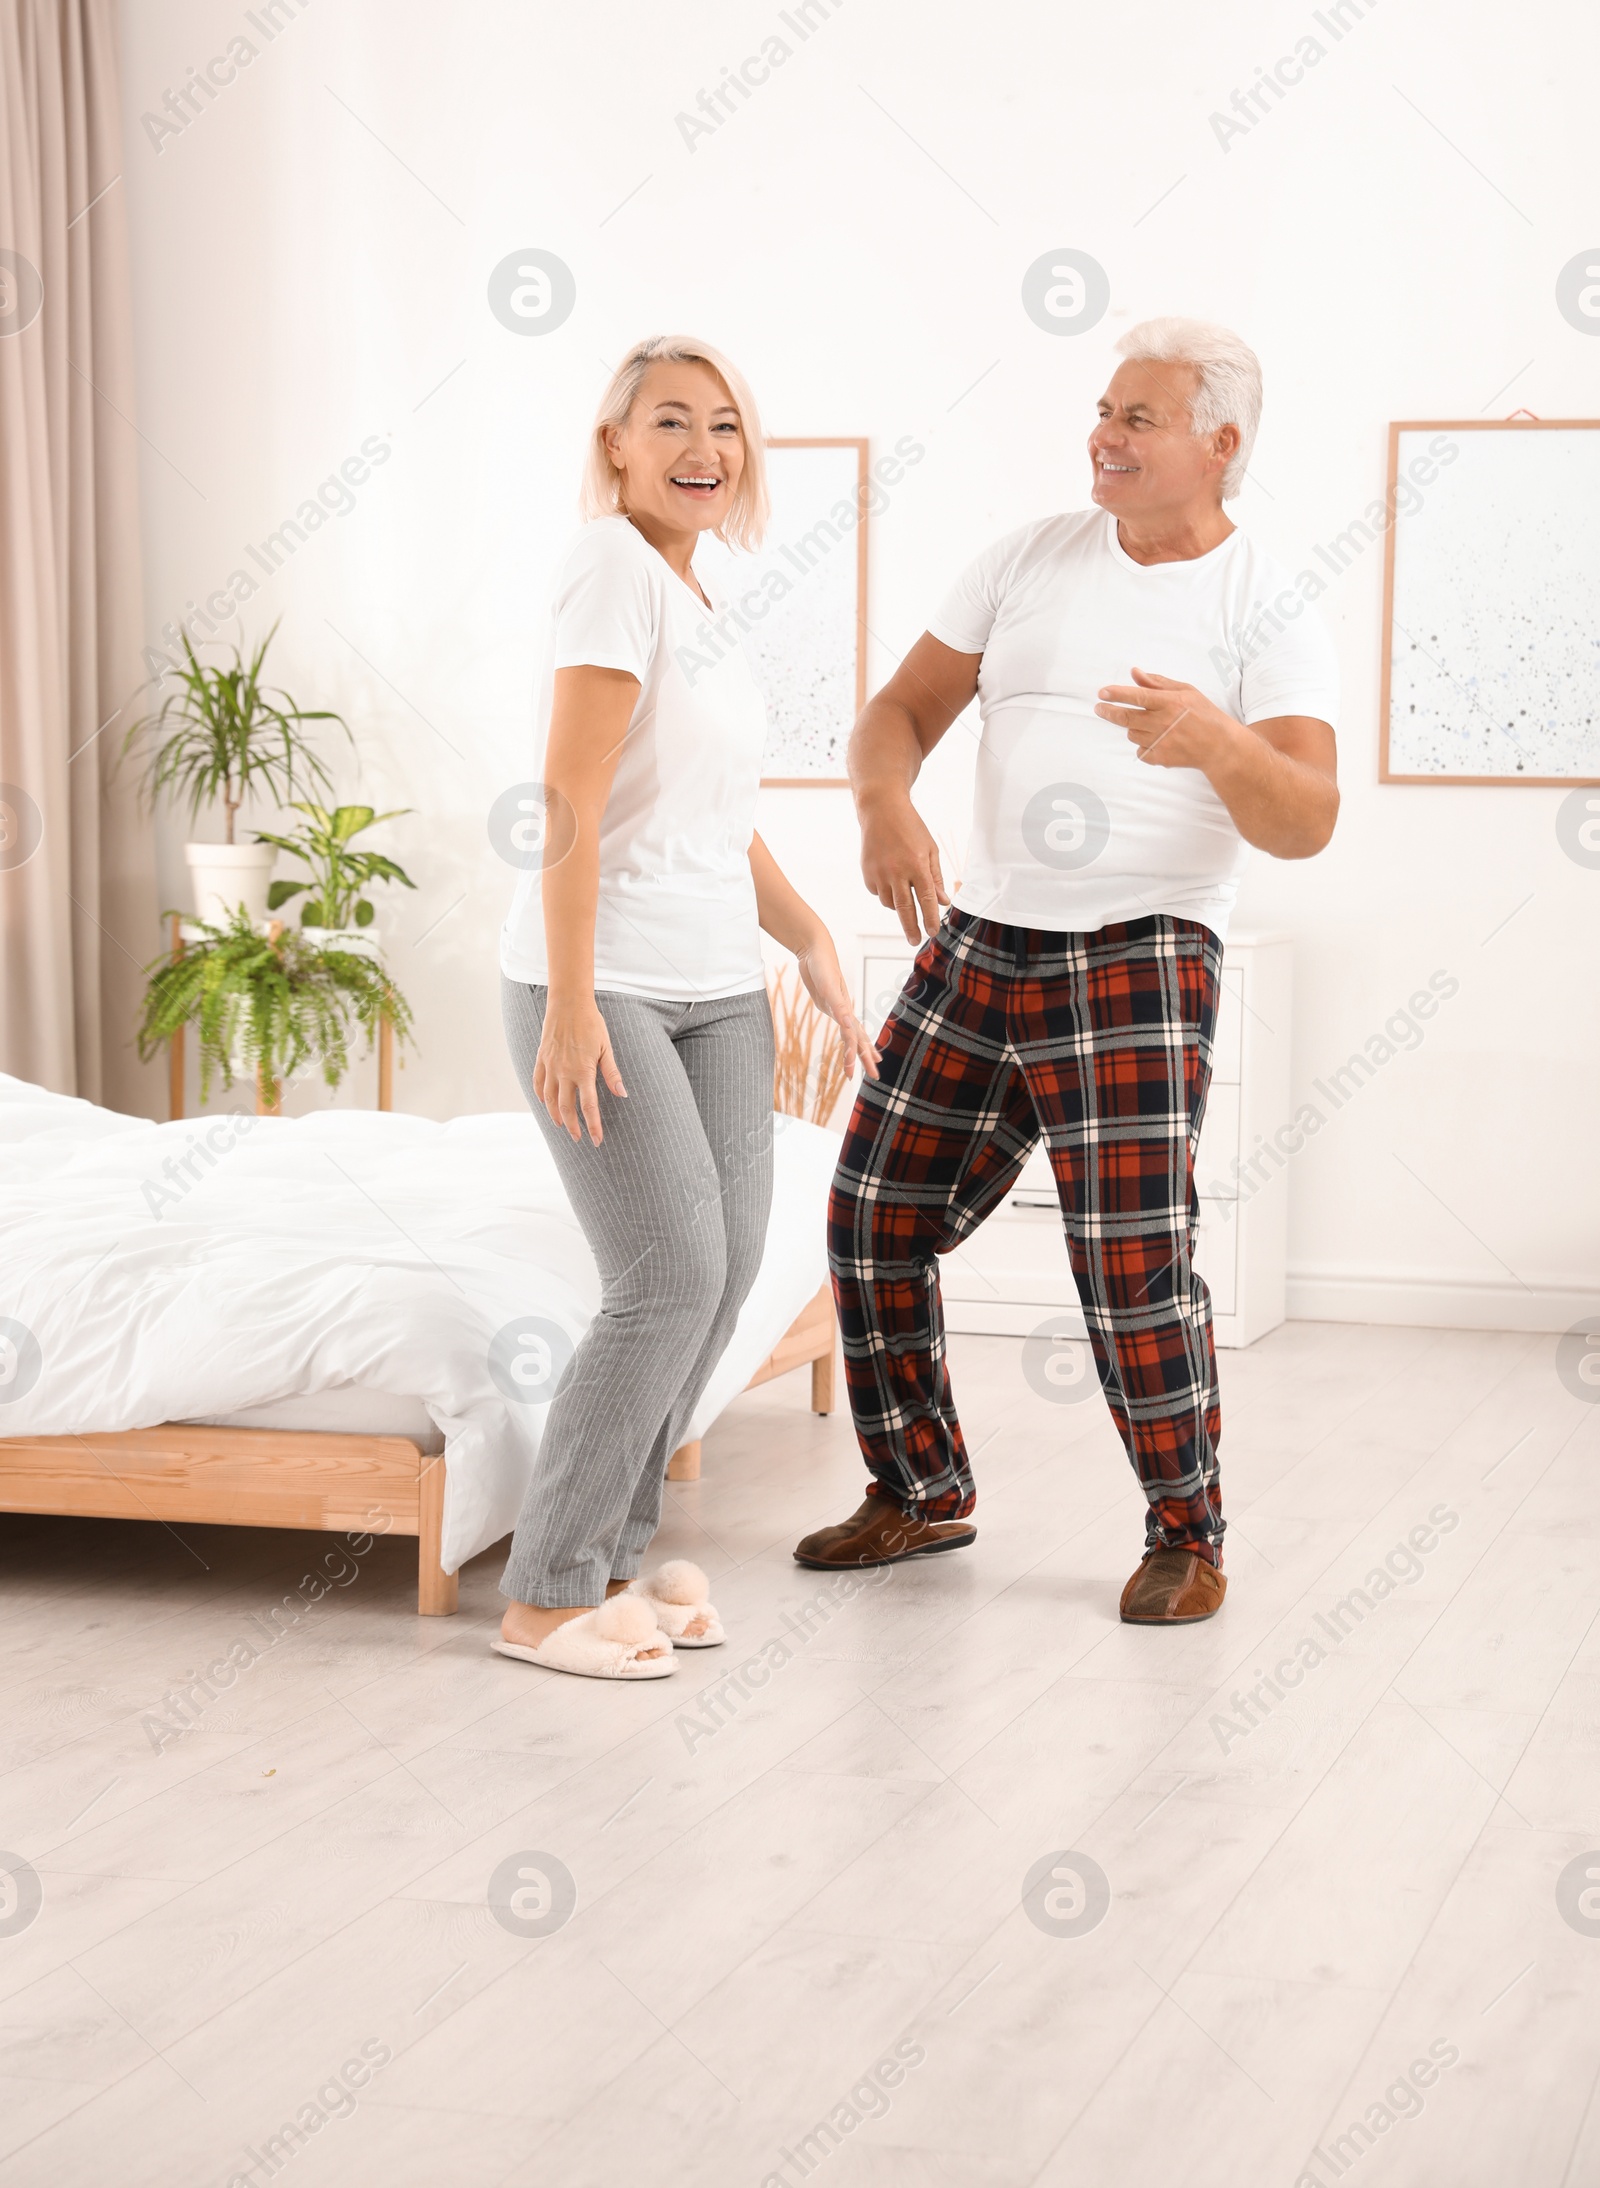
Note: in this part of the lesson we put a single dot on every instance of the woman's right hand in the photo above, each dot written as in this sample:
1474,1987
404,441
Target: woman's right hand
573,1046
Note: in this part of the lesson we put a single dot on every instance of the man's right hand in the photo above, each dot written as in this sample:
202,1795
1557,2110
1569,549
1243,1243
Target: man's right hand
898,727
900,864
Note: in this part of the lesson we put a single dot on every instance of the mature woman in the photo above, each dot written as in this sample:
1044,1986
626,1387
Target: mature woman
635,999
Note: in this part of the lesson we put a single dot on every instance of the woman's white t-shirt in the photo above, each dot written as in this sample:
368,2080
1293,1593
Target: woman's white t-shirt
1071,829
676,916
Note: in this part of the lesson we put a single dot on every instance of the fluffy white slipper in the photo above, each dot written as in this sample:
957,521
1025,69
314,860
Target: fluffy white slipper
602,1644
677,1594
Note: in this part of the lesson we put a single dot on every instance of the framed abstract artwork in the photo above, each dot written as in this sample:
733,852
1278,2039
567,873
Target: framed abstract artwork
1491,630
801,606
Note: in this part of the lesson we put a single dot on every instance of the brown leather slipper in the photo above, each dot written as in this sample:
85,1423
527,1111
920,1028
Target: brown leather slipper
1172,1588
879,1533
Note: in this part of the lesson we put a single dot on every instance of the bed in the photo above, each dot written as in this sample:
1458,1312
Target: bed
303,1322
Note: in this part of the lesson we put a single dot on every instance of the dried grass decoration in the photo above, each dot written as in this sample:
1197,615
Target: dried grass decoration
812,1068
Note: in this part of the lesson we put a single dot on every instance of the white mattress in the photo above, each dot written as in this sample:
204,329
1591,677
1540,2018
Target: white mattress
348,1270
344,1411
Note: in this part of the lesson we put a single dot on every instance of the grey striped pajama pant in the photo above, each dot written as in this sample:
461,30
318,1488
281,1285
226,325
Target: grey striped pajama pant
674,1204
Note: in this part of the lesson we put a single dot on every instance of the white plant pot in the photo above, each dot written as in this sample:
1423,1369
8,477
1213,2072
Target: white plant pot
225,875
360,941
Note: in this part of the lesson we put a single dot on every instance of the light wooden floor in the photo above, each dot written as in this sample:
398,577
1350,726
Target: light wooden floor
765,1913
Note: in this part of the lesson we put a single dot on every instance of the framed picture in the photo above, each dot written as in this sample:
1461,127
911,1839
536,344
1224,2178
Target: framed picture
1491,653
804,600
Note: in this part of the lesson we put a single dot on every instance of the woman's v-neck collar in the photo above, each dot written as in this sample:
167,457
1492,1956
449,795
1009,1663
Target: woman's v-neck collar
706,605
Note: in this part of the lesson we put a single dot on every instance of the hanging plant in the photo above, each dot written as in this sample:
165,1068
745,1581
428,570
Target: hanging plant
268,1005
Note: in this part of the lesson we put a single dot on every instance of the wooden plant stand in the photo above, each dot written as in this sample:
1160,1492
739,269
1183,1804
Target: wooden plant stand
177,1052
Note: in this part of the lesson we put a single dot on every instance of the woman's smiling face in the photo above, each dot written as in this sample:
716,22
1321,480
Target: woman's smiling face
680,451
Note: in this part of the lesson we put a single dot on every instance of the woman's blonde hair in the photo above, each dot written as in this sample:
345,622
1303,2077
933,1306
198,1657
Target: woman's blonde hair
746,521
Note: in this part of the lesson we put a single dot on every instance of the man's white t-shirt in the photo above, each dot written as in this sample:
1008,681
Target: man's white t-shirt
1071,829
677,910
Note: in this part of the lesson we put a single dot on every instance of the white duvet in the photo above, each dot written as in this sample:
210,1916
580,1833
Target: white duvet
159,1272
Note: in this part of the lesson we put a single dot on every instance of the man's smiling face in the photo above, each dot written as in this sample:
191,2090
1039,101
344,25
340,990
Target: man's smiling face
1144,454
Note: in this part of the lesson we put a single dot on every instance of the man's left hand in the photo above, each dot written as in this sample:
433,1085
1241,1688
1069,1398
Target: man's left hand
1170,724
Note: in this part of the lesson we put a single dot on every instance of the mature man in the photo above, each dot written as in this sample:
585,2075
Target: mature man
1155,696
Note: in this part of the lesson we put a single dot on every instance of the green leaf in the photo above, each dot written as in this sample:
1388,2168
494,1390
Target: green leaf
380,868
219,732
268,1008
282,891
364,913
349,820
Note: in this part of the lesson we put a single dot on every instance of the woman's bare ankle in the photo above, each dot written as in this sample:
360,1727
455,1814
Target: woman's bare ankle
527,1624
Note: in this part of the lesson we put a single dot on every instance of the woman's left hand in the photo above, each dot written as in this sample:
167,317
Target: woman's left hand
827,987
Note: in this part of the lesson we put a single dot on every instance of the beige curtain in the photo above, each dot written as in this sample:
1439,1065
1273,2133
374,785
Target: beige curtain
78,914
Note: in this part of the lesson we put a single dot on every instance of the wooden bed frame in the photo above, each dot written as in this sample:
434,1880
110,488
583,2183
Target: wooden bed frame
266,1477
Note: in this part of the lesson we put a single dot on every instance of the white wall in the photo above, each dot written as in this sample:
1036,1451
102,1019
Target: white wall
311,258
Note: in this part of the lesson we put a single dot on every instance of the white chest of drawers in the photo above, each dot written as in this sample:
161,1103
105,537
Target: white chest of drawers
1013,1272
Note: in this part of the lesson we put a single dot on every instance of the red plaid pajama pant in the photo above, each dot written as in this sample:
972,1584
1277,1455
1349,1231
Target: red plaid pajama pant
1101,1043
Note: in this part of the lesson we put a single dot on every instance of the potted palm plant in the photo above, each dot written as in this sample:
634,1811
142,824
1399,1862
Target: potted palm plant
268,1004
336,907
220,735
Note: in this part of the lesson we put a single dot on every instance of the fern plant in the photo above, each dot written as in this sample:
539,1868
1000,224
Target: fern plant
340,876
268,1004
223,733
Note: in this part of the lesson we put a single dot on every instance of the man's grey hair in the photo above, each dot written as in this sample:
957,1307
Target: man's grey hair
1229,390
